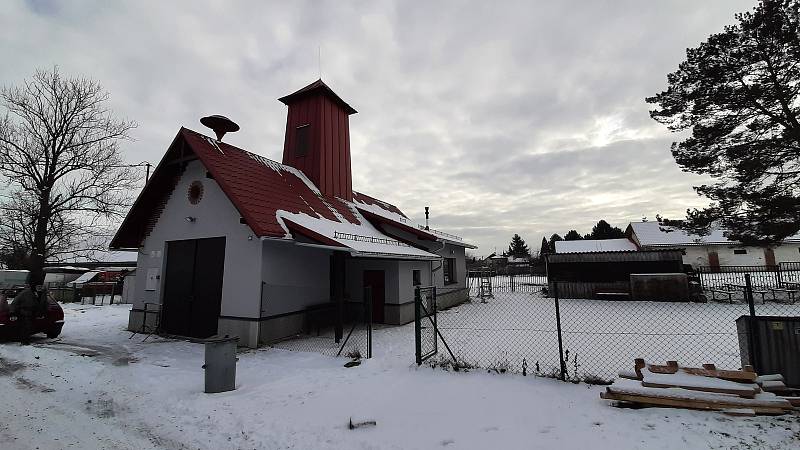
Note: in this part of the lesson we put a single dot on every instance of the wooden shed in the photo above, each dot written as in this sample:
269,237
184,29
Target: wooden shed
606,274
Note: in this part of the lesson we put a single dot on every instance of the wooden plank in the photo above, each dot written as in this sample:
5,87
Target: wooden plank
768,400
732,375
770,377
771,386
685,403
746,392
794,401
630,375
739,412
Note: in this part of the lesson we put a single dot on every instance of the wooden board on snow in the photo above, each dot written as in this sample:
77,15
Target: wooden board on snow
708,370
685,403
697,383
627,390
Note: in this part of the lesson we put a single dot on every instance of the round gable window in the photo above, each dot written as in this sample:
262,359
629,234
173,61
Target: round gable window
195,192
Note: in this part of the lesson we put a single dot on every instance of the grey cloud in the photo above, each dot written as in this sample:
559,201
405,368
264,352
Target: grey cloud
492,114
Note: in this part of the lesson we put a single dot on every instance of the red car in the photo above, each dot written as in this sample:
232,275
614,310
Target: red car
50,323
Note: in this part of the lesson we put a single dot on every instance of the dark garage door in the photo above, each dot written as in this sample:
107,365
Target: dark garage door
193,287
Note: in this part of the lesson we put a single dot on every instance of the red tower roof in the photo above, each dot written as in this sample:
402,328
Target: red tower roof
317,87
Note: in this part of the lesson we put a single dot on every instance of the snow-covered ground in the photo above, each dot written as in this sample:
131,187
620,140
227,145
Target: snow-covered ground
94,388
601,336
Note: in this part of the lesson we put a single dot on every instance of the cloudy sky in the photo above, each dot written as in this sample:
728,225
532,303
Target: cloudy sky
504,117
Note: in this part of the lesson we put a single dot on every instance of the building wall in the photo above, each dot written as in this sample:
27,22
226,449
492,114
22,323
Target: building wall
215,217
787,252
697,255
406,278
457,252
294,277
354,290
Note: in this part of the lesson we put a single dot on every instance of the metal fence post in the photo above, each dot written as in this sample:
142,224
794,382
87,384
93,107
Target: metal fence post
751,324
417,326
562,369
368,312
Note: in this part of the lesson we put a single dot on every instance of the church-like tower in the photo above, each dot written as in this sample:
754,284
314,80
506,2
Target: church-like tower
318,138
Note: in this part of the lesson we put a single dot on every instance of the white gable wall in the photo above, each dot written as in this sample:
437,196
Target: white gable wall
215,217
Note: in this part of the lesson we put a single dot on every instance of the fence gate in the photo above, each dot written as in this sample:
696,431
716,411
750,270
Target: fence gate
425,322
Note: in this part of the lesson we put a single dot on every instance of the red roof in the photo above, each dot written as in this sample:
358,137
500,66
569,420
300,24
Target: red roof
257,187
317,86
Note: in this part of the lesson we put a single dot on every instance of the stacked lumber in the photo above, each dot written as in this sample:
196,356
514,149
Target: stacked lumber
733,392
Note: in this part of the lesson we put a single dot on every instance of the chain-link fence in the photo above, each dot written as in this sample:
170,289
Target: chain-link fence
319,334
526,329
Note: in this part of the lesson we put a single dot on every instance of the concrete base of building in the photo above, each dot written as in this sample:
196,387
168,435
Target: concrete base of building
253,332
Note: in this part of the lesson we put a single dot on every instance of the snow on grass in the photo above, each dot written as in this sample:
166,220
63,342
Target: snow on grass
95,388
600,337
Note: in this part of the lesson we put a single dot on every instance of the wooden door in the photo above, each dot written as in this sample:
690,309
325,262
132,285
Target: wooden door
178,287
376,280
769,257
209,265
713,261
193,287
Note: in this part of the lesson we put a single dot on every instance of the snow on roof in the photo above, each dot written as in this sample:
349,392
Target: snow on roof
361,238
595,245
379,207
265,193
85,278
653,233
393,213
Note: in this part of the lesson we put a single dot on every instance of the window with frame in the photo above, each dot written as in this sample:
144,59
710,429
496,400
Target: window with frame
739,251
416,277
302,140
449,269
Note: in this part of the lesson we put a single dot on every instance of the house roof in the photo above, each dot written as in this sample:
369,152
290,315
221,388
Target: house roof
315,87
653,233
595,245
275,200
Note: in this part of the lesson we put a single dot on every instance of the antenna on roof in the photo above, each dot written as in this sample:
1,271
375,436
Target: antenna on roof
319,60
220,125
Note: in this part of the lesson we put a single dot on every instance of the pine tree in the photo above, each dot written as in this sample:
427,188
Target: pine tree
552,244
517,248
603,230
737,94
545,250
572,235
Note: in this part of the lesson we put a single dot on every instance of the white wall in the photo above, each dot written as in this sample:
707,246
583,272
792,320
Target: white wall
698,255
215,217
406,278
355,268
294,277
787,253
457,252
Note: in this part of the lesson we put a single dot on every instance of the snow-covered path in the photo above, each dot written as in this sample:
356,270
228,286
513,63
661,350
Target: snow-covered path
94,388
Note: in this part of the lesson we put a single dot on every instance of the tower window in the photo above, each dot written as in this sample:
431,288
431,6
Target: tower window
302,140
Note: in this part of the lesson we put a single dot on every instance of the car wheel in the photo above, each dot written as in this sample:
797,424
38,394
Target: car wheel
52,334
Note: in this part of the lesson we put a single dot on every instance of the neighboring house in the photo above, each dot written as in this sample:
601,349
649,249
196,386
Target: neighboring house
713,250
596,245
232,243
56,276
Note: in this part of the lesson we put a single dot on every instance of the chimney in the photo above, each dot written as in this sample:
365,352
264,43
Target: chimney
317,138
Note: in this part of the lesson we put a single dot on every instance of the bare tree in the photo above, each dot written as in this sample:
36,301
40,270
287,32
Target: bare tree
59,151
